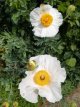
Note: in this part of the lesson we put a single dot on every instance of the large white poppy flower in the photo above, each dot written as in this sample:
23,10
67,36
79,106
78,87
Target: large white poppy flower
45,80
46,21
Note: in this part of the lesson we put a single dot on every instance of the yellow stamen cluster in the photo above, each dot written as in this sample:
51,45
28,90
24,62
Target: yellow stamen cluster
46,20
42,78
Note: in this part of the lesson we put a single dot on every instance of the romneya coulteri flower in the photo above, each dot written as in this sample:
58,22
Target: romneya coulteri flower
45,80
46,21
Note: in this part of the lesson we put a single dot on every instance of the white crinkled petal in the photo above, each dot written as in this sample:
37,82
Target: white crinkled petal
61,75
58,20
28,73
52,93
57,17
45,32
35,17
50,31
41,59
45,8
36,59
37,31
28,90
52,64
35,22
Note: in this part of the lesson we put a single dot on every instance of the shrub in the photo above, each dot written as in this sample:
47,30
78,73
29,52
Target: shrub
18,44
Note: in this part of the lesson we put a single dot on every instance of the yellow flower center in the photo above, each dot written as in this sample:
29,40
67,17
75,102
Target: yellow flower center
46,20
42,78
31,65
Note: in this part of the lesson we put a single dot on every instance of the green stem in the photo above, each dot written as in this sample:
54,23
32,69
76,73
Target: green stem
66,17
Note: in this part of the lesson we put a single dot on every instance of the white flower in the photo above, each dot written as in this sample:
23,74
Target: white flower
46,21
45,80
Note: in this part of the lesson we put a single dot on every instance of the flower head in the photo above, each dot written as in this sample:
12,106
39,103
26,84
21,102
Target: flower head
45,80
46,21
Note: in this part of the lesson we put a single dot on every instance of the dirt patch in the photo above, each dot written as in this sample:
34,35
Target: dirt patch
75,96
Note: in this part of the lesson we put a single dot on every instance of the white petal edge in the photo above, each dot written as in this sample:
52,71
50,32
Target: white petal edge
40,31
28,73
57,17
46,8
62,75
35,17
52,93
28,90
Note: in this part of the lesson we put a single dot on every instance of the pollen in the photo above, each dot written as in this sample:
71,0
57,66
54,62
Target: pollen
42,78
46,20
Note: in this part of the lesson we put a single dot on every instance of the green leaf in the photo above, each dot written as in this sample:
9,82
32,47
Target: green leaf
15,17
7,88
73,47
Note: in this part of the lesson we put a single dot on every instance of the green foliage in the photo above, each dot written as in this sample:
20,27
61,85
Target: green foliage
18,44
71,62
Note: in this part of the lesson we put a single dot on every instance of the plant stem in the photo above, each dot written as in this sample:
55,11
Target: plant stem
66,17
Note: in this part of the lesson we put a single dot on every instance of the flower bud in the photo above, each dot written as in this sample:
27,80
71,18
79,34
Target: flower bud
5,104
15,104
71,9
31,65
73,104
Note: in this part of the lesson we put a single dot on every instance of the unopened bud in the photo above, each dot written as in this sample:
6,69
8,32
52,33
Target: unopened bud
31,65
71,9
15,104
5,104
73,104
